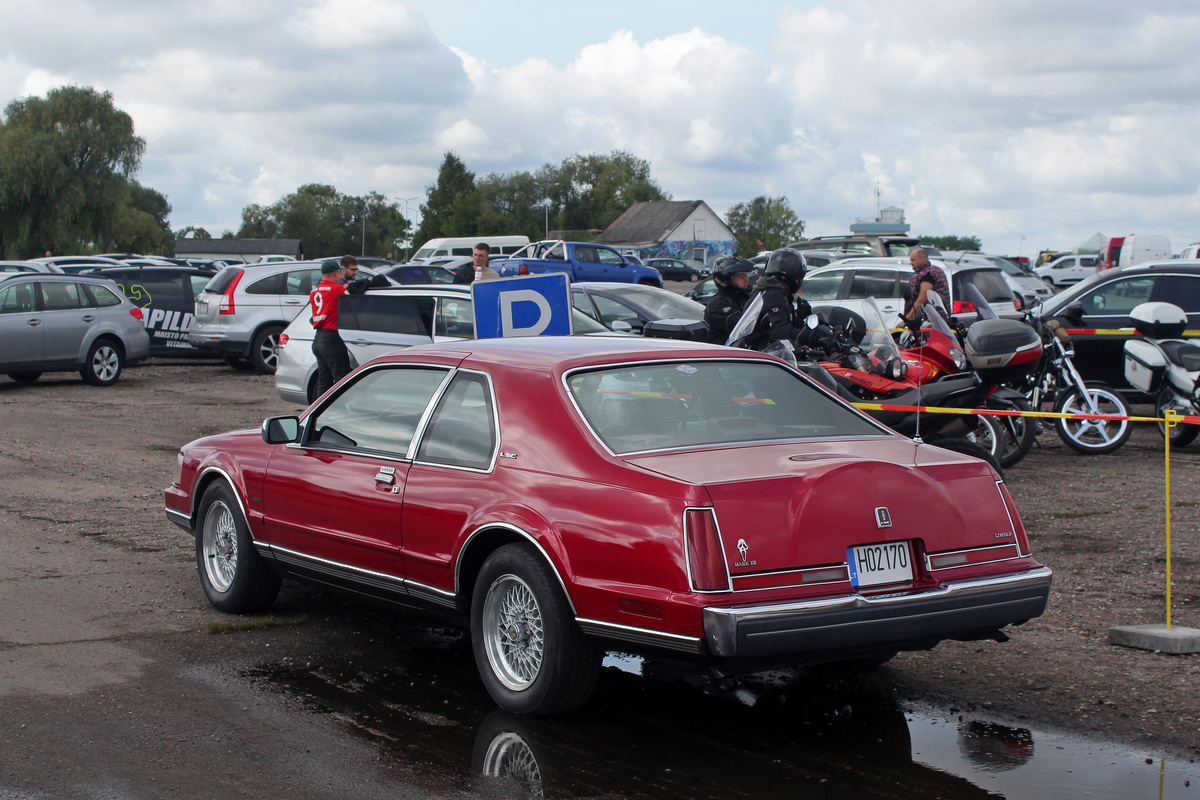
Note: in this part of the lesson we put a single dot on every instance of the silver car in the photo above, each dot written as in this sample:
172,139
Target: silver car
57,323
243,309
1024,283
383,320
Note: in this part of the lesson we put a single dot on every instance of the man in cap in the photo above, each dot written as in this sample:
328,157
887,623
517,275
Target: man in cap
333,362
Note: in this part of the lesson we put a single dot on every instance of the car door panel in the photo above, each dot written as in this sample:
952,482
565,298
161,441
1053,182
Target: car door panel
66,320
21,329
1099,341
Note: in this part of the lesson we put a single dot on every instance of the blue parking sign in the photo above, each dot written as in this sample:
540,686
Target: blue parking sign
527,305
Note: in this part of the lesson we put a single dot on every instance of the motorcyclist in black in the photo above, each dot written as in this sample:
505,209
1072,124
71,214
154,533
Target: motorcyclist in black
724,309
783,316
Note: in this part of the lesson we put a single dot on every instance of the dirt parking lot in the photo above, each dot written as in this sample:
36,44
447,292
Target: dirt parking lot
85,463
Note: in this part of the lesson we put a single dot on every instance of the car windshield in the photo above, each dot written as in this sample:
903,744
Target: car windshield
705,403
1058,302
659,302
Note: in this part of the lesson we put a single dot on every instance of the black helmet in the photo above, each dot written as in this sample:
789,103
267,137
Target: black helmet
789,266
727,266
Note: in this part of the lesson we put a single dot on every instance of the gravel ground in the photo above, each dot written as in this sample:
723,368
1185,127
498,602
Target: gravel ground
72,450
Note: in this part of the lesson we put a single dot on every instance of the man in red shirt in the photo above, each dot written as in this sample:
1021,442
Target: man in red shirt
333,362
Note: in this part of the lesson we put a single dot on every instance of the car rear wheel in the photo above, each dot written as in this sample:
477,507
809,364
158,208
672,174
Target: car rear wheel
103,364
24,377
234,576
264,350
532,656
239,363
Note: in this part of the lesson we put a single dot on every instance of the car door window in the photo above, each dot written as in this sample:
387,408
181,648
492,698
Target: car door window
822,287
557,253
455,317
62,296
302,281
872,283
462,431
17,299
379,412
386,313
1181,290
1118,297
609,257
580,300
198,281
586,255
611,310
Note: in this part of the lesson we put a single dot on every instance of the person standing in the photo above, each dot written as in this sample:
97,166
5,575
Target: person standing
926,278
478,269
333,361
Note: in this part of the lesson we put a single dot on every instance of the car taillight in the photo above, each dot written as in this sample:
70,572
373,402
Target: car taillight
523,268
963,307
283,339
226,306
137,314
1018,302
706,563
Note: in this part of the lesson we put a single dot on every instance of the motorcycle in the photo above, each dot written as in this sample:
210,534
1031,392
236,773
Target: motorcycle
1056,381
1165,366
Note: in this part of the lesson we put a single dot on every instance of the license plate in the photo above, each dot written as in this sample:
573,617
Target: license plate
876,564
201,306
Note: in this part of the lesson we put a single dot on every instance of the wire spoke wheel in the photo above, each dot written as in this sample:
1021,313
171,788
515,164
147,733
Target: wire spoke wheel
220,546
514,632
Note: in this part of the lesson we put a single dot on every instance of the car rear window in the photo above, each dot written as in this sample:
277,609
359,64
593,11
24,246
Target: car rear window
989,282
222,279
704,403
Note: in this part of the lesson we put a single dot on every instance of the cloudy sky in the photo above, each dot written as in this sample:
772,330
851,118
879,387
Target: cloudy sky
1028,123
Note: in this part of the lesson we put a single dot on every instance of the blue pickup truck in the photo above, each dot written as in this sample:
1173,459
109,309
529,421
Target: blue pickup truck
581,262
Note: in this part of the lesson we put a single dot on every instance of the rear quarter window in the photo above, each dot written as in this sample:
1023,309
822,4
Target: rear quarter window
222,279
102,296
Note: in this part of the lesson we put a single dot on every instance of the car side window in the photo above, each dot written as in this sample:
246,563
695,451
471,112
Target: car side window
587,255
557,253
379,412
1119,297
608,257
386,313
1182,290
872,283
581,303
611,310
273,284
17,299
455,318
198,284
462,432
822,287
302,281
62,297
102,296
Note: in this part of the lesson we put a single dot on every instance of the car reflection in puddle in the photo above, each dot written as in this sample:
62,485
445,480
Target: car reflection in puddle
658,730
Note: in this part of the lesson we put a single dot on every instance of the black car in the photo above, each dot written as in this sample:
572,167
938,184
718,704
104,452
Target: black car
167,297
675,269
1096,311
409,274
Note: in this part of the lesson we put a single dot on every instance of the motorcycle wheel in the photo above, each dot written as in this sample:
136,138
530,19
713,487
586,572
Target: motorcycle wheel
970,448
1181,434
1093,437
1018,434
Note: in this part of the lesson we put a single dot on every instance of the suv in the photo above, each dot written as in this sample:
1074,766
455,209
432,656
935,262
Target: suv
383,320
844,283
1097,309
868,244
167,297
56,323
243,309
1024,283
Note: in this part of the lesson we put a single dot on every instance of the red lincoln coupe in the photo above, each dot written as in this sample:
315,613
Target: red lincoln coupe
575,494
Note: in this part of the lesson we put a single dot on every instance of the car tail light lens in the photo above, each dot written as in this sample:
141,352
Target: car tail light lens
227,306
137,314
522,268
283,339
963,307
706,562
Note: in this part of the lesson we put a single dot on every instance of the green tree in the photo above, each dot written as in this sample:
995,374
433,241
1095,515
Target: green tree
64,164
443,213
328,222
197,233
141,223
953,242
765,223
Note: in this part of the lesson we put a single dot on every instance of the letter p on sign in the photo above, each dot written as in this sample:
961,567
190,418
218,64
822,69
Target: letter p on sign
530,305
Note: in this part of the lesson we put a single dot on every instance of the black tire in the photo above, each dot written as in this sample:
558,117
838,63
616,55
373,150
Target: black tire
103,364
1020,433
1093,437
312,389
1181,434
24,377
531,655
239,363
967,447
233,575
693,276
264,350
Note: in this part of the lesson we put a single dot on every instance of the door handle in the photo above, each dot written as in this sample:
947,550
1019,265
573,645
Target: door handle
89,317
33,323
386,475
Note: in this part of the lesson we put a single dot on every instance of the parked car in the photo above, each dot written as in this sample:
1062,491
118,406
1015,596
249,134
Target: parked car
1024,283
383,320
868,244
64,323
629,306
1065,270
406,274
167,297
17,266
1097,312
1143,248
676,269
244,308
846,283
72,264
568,495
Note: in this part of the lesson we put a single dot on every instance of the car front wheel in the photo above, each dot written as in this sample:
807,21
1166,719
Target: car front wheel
532,656
103,364
234,577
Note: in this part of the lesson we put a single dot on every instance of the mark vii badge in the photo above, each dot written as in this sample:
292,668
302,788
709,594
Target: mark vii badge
883,517
743,549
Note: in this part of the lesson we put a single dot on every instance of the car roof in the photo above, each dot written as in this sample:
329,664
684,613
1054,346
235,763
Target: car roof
54,277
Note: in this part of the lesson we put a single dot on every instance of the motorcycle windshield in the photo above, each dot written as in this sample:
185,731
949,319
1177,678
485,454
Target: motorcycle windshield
975,297
745,325
933,315
877,340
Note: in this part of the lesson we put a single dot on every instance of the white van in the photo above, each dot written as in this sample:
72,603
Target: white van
462,246
1146,247
1192,251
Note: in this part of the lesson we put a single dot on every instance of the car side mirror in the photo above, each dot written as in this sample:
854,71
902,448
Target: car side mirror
1073,314
281,430
633,324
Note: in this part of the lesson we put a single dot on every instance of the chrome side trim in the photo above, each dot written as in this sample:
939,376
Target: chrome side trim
524,535
182,520
364,577
643,636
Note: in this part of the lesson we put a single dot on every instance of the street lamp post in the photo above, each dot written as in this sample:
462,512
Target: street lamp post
406,201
